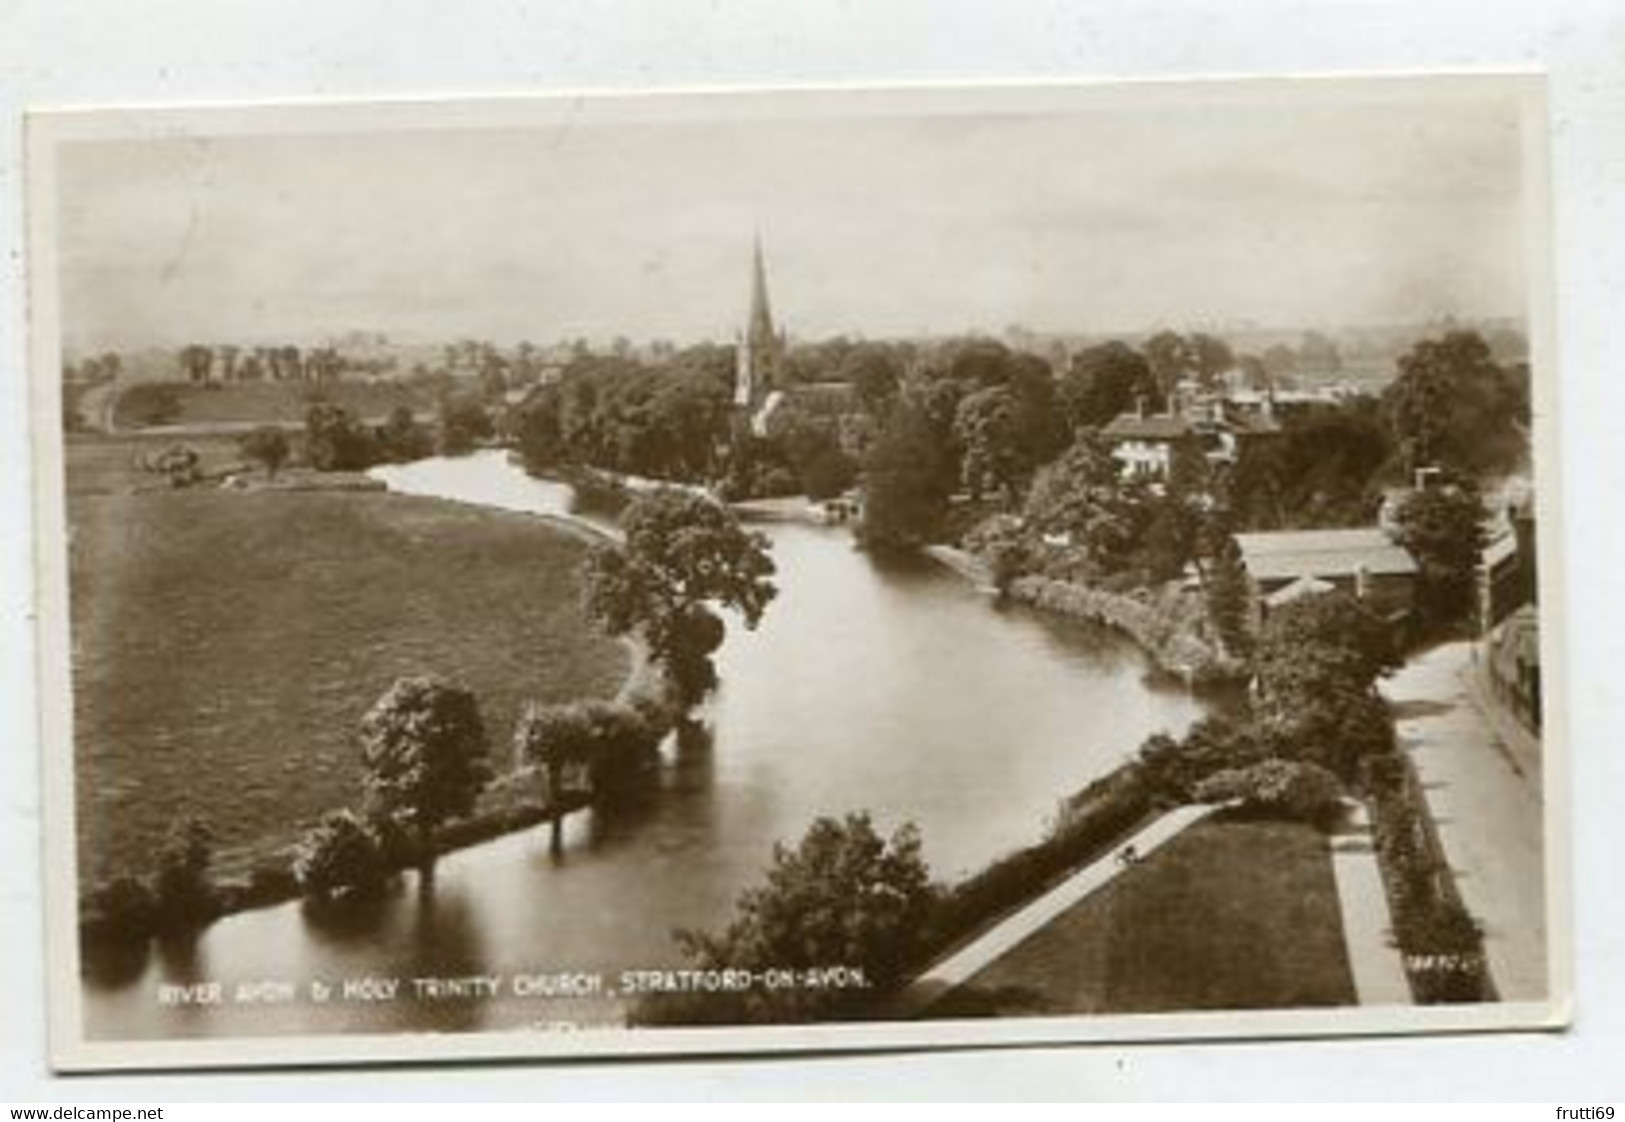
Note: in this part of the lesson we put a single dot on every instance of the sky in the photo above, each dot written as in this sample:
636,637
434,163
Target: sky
1112,214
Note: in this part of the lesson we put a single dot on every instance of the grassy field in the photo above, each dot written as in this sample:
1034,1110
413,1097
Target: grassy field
103,465
226,645
282,402
1231,914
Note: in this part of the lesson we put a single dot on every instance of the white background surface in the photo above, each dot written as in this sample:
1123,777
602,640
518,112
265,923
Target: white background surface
78,52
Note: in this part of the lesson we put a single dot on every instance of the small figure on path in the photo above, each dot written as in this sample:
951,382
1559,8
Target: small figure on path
1128,856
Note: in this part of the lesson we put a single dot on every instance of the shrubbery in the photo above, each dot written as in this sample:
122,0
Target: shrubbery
182,892
1278,788
336,441
343,856
1442,944
1086,827
121,909
179,895
1174,767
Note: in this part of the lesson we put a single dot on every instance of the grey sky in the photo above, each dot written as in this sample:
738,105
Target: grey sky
1177,211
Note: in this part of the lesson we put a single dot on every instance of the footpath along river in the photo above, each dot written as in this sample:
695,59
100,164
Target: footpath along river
891,687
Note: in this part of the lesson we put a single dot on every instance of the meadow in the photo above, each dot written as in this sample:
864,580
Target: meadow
225,645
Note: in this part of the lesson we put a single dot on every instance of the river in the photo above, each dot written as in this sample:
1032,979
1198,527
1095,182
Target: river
891,687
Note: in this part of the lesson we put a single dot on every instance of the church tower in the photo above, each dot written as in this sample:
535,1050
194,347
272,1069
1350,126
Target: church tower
761,349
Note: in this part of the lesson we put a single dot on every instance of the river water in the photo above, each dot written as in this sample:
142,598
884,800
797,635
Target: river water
891,687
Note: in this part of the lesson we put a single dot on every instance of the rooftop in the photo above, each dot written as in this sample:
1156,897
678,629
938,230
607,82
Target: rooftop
1290,554
1160,426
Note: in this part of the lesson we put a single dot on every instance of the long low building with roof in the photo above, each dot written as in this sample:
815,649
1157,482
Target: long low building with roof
1283,565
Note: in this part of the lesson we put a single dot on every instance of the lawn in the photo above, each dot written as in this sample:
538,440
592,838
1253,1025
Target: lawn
283,402
1231,914
226,645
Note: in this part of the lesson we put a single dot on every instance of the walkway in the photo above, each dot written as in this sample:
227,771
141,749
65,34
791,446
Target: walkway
1374,958
958,968
1486,803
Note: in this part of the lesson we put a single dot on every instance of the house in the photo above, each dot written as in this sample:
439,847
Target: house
1507,565
1147,444
1512,665
1283,565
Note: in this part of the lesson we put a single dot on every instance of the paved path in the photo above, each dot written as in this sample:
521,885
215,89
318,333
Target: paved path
1374,958
958,968
1486,803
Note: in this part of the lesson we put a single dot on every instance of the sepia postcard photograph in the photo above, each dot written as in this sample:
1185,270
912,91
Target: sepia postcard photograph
715,572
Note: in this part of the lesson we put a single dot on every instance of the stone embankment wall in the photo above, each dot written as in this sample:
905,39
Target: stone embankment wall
1170,640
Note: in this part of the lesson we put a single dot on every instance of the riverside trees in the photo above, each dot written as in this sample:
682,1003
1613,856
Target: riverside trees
423,748
681,554
843,897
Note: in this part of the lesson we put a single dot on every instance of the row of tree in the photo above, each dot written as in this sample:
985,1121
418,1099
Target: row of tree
202,364
986,423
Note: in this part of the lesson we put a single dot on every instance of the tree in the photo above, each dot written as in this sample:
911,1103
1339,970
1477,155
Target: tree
1323,643
423,752
334,441
197,362
1083,496
1318,353
1280,364
1338,729
182,892
1229,599
815,455
1323,469
1210,357
1443,527
464,422
1007,429
401,439
606,741
1169,540
268,445
681,553
875,376
540,432
1170,358
1106,381
1453,406
908,475
341,856
988,428
844,896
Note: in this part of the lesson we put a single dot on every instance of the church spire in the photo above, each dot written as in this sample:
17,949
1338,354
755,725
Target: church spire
760,328
759,348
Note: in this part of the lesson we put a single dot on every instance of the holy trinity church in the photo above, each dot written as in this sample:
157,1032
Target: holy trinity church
765,397
759,373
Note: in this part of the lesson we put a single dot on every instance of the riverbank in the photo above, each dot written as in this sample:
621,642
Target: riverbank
1166,637
1164,634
